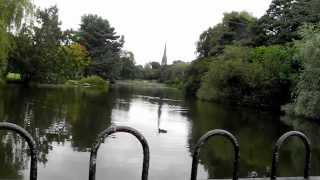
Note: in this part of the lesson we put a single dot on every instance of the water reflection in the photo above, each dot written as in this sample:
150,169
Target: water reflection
15,157
65,123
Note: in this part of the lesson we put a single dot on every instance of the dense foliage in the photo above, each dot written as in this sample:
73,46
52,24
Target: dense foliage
261,76
261,62
174,74
307,95
236,28
41,52
103,45
284,17
11,15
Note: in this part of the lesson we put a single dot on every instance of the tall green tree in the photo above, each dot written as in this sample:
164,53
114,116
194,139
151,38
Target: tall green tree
236,28
21,58
128,68
103,45
307,95
47,41
11,14
37,48
284,17
72,61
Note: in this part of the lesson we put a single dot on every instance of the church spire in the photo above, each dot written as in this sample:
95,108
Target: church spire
164,58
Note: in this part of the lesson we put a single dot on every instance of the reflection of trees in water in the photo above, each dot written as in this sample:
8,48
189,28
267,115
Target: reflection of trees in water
53,116
130,91
13,156
256,132
92,114
312,130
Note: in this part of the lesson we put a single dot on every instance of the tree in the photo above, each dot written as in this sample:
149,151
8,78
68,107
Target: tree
307,95
194,75
261,78
47,42
37,54
152,70
236,28
155,65
103,45
21,58
174,74
73,59
284,17
11,15
128,68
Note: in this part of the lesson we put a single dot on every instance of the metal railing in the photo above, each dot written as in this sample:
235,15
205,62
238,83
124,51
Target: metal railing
112,130
31,143
146,153
276,155
204,139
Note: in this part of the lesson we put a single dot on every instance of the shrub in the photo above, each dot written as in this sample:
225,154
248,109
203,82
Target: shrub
232,81
263,77
194,75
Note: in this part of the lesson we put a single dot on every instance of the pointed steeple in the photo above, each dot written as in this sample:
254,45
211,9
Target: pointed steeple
164,58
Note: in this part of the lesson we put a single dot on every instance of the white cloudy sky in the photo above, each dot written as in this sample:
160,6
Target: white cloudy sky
148,24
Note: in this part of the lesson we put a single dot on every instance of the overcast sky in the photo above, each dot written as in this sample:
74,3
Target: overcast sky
148,24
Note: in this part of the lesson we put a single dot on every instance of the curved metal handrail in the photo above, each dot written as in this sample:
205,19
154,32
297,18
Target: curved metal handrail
204,139
276,154
112,130
31,143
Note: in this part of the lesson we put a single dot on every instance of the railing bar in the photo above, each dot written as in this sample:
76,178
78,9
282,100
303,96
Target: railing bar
276,153
31,143
114,129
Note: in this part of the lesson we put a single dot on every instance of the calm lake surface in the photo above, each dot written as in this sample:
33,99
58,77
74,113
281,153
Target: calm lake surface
65,123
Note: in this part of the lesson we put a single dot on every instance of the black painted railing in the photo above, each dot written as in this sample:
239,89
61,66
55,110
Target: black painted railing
204,139
31,143
112,130
146,153
276,155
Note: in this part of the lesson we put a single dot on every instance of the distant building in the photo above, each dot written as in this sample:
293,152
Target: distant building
164,58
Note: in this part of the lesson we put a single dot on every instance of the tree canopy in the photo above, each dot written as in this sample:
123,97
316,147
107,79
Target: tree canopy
236,28
284,17
11,15
103,45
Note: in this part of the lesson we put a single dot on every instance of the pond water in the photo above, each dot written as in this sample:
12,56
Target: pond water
66,122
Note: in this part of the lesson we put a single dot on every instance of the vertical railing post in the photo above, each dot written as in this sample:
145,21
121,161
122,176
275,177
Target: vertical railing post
112,130
276,153
31,143
204,139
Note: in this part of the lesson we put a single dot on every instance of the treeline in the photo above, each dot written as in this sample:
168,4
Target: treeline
172,74
267,62
33,45
34,48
